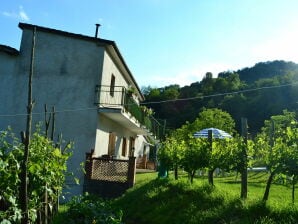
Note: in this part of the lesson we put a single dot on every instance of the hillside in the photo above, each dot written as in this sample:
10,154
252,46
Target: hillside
243,93
263,70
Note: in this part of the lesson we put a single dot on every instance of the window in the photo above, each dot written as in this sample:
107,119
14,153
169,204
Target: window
112,86
124,147
112,142
131,146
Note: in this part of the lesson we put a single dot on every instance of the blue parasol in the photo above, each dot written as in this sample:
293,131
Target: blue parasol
216,133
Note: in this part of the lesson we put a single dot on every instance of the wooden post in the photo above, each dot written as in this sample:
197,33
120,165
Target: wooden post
88,165
26,141
46,202
47,120
244,159
53,124
131,171
211,170
272,174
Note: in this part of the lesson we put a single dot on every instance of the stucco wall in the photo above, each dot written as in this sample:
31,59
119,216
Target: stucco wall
9,90
109,68
66,71
104,127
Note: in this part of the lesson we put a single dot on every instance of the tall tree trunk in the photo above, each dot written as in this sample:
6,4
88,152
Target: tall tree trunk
26,141
192,176
293,189
268,185
176,172
210,176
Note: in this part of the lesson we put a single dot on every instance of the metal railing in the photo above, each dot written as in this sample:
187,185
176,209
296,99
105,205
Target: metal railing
119,97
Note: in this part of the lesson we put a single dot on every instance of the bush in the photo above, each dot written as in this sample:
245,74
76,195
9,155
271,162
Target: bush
92,209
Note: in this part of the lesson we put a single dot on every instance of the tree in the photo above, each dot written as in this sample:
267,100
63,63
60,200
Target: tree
207,83
272,146
215,118
291,162
196,156
170,154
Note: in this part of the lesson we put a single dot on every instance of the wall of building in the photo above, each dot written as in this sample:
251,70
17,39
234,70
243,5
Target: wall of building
9,91
109,68
106,126
66,71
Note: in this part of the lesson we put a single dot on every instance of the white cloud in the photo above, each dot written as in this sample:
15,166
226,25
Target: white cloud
10,14
20,15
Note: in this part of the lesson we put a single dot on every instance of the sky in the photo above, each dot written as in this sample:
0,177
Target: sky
168,42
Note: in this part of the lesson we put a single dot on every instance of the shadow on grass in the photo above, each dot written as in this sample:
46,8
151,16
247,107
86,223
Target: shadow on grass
168,201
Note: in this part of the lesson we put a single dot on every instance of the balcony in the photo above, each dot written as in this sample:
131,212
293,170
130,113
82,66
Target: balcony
121,106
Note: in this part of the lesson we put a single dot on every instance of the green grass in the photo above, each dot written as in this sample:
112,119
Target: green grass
159,201
163,201
60,217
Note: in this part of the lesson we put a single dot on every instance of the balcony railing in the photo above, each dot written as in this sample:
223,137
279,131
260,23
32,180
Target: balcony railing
119,98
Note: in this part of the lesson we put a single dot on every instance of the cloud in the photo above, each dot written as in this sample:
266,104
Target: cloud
23,15
20,15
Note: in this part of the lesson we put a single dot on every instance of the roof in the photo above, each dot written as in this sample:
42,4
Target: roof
8,50
88,38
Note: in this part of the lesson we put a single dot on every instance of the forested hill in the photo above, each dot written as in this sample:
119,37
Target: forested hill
263,70
243,93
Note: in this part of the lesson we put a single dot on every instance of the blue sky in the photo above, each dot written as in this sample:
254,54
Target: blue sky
170,41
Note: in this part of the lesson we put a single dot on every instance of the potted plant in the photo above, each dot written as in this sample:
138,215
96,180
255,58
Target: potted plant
131,91
147,111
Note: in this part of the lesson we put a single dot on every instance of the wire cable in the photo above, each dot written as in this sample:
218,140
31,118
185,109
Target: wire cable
220,94
160,102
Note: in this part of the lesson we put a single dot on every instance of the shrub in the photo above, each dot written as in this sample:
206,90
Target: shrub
92,209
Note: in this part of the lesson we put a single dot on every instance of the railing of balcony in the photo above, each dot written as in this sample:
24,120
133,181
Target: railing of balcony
118,97
110,96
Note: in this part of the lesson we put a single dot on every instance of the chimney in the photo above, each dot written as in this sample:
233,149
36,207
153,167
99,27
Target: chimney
96,31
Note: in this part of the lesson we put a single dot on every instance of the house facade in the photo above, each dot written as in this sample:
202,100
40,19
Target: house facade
96,98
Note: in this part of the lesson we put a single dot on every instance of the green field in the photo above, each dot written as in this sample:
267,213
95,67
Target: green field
154,200
163,201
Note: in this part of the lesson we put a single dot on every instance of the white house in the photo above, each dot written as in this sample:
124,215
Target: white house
88,82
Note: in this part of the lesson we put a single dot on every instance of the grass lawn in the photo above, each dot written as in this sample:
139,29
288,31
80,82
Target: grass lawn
154,200
163,201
